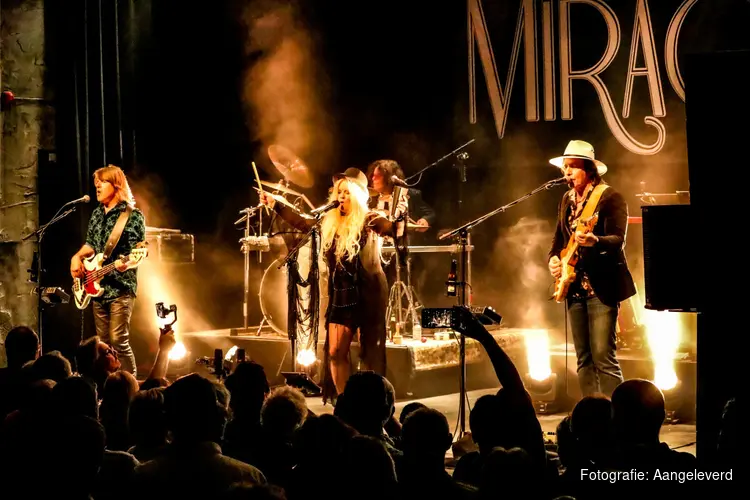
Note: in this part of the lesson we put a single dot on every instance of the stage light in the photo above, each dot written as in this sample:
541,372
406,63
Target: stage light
306,357
231,353
543,392
178,352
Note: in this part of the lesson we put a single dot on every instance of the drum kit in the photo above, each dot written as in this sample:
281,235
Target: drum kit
273,291
273,284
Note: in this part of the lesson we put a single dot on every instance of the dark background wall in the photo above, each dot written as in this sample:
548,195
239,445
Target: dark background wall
185,95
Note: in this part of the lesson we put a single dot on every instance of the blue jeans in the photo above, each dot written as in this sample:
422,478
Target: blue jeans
112,322
593,325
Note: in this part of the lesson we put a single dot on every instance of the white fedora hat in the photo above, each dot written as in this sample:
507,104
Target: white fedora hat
582,150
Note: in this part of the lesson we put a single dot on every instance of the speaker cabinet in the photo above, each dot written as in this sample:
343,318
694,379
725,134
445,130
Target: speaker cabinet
669,264
717,108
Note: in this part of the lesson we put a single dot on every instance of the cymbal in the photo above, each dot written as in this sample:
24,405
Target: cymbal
280,199
277,186
290,166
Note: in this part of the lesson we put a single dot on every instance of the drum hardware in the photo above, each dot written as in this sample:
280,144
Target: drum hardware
400,290
246,248
280,199
294,171
282,187
255,243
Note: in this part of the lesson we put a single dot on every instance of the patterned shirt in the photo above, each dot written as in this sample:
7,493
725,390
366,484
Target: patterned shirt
581,288
116,283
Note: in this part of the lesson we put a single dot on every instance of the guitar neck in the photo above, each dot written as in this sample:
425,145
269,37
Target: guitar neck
103,271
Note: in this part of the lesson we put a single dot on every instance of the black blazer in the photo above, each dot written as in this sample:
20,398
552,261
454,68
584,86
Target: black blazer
418,209
605,262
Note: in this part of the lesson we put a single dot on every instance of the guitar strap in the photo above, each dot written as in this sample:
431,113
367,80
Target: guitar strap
114,237
593,202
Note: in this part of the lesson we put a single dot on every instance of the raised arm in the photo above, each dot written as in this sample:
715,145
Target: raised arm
506,371
524,416
293,218
161,364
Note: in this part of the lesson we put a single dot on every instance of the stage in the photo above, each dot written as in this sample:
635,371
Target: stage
430,367
416,368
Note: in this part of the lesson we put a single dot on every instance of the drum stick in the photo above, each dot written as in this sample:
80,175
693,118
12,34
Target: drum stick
260,186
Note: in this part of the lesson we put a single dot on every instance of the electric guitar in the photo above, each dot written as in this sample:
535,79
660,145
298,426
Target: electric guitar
87,287
569,258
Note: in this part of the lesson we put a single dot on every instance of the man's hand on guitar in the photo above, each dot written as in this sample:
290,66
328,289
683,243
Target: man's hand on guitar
76,267
555,267
586,239
121,266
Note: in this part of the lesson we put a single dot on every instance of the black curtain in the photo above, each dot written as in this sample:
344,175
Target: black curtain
90,58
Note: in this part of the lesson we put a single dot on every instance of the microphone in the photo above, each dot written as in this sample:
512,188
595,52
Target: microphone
397,181
557,182
325,208
83,199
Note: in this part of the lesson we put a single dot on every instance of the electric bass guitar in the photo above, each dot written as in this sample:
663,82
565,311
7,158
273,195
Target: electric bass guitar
88,287
569,258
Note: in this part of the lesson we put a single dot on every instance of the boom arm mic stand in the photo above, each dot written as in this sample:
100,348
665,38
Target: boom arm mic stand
463,236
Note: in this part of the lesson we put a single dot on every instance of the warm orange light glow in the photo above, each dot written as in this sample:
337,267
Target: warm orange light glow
306,357
537,354
663,330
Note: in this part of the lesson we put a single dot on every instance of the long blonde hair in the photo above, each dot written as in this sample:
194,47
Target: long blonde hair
115,176
348,227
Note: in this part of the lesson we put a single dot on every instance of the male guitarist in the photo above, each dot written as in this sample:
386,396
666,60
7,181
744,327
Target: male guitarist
602,278
115,228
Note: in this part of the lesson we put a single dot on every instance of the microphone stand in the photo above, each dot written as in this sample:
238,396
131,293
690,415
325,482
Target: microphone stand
463,235
462,146
289,261
37,270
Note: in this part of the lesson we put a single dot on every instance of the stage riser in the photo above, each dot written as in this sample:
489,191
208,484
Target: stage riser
274,354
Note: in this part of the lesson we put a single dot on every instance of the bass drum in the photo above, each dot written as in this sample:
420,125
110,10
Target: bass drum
274,301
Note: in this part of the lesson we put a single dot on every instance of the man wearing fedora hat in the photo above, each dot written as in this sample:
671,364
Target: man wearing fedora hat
603,279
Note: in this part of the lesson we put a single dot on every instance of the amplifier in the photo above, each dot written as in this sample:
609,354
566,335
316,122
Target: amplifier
170,246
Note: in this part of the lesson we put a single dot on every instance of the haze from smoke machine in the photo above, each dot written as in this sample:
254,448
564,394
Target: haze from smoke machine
284,89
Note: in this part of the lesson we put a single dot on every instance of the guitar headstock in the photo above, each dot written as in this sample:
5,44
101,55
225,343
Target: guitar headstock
136,255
